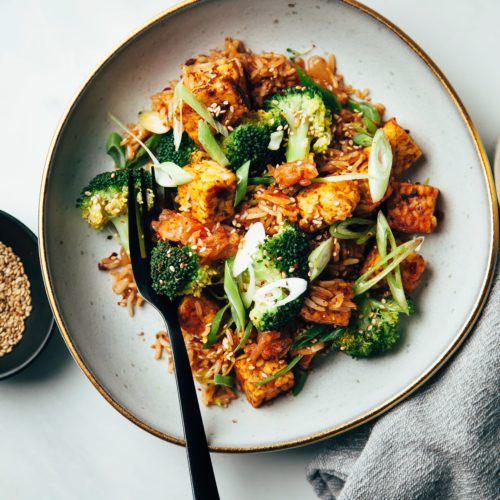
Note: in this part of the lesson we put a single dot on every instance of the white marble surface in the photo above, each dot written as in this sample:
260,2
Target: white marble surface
58,438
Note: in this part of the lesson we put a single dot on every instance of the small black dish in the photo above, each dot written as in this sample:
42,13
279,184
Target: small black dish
40,322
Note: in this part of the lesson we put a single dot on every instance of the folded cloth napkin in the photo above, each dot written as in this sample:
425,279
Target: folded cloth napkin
441,443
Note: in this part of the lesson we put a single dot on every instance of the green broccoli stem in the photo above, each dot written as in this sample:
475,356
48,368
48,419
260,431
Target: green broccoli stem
299,144
121,225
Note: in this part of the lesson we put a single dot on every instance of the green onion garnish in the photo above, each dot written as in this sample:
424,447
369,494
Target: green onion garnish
364,282
246,336
370,125
261,180
341,230
379,165
300,380
226,380
213,335
231,288
141,157
367,109
329,98
116,150
241,182
362,139
319,258
314,335
210,145
181,92
394,280
278,374
306,338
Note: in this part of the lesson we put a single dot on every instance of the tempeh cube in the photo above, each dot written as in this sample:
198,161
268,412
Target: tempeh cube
323,204
411,208
221,86
405,150
248,374
209,196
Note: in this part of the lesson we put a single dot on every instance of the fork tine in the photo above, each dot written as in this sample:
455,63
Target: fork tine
133,232
156,200
146,218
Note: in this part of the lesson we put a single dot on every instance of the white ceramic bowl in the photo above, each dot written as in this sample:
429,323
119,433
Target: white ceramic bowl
341,392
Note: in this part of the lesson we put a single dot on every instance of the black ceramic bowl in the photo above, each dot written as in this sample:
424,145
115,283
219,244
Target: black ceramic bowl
40,322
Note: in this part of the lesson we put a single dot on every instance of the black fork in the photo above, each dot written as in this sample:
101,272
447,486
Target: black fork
201,470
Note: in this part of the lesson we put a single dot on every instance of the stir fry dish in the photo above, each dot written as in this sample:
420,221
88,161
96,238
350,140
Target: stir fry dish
287,226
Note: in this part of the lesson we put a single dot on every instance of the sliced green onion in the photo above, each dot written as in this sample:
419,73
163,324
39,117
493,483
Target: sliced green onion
231,288
317,333
116,150
241,182
400,253
226,380
319,258
275,140
300,380
339,178
141,157
332,335
269,293
329,98
370,126
210,145
365,108
254,236
213,335
281,372
340,229
246,336
362,139
126,129
169,174
247,290
181,92
152,122
306,338
394,280
178,124
261,180
379,165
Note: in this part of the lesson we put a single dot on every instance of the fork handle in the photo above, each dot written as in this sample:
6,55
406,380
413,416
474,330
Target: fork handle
200,465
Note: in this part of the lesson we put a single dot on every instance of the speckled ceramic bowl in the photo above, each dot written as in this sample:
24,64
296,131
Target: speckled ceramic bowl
342,392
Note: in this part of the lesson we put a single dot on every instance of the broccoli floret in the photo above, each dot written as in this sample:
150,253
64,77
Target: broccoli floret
280,256
308,119
265,317
250,141
104,200
373,328
177,271
165,149
289,249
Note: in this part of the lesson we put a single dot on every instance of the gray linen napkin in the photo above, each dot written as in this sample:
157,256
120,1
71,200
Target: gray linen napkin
443,442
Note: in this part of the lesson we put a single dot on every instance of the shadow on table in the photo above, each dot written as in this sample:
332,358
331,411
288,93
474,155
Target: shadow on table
50,363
